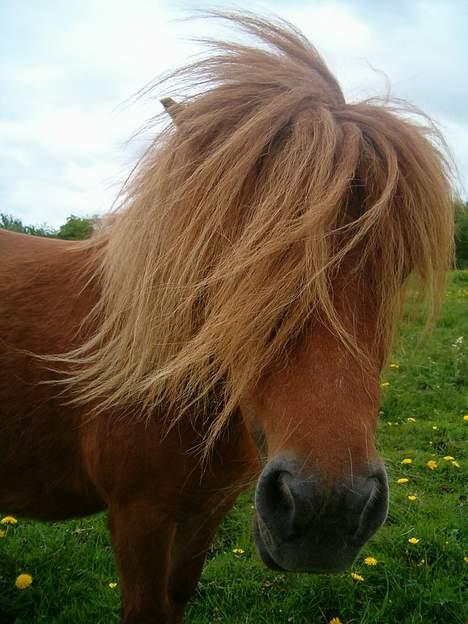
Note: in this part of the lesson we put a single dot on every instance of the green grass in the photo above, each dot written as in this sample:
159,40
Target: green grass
72,565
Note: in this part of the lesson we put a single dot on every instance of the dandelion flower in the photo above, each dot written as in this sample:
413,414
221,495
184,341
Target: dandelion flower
465,417
23,581
412,497
465,559
335,621
435,427
385,384
456,464
449,458
403,480
431,464
238,551
393,365
411,419
356,577
414,540
8,520
112,585
370,561
407,460
2,534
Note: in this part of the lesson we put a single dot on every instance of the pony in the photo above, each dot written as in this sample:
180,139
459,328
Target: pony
228,323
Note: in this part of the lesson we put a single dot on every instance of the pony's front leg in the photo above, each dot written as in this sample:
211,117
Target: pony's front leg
192,541
193,538
142,539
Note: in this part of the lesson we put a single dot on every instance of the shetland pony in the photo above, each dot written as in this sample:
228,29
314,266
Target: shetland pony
230,322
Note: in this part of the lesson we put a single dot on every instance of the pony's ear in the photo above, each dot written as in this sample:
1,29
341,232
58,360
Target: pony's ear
173,108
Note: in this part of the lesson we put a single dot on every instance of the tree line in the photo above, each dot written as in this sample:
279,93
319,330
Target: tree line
79,228
75,228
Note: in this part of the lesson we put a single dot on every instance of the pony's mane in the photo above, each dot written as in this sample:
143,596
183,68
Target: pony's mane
236,221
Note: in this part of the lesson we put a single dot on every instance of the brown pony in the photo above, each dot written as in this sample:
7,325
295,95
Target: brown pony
236,311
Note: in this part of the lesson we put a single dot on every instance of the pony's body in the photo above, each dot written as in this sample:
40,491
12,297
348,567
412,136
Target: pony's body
247,291
39,313
62,464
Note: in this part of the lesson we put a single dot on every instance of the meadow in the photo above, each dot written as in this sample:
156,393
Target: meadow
413,571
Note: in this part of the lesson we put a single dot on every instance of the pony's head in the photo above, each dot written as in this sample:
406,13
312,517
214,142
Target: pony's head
323,491
258,266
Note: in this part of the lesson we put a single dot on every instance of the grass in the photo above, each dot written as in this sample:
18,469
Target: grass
421,418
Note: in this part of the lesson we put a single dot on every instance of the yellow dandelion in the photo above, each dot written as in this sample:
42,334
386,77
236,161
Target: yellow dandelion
385,384
431,464
411,419
356,577
465,559
238,551
335,621
414,540
370,561
412,497
407,460
403,480
112,585
435,427
465,417
456,464
8,520
393,365
2,534
449,458
23,581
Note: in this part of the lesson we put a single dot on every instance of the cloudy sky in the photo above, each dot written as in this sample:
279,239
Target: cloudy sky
69,69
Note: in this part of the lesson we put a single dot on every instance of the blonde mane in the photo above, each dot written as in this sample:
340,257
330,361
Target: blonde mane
236,222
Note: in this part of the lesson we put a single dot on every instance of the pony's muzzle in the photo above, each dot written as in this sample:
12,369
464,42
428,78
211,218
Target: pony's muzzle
304,525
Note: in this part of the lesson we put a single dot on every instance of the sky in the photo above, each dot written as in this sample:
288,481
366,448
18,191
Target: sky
69,73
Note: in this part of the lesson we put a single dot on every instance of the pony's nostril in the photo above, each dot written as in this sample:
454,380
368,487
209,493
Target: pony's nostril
376,506
279,501
286,495
285,501
277,496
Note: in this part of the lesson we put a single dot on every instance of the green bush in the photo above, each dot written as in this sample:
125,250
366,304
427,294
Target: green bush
76,228
461,235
